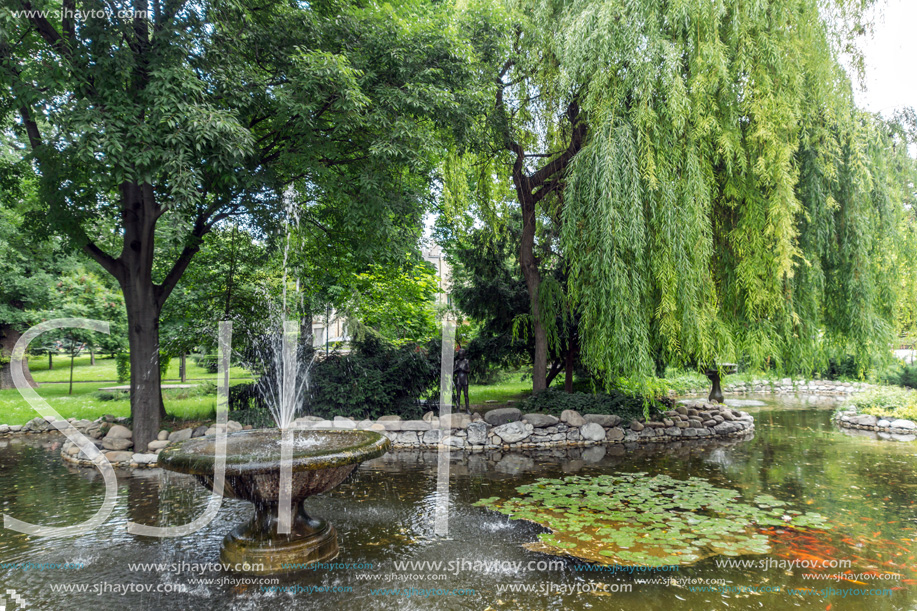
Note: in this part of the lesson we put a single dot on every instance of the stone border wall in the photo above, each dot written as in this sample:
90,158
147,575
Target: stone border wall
897,429
500,429
788,386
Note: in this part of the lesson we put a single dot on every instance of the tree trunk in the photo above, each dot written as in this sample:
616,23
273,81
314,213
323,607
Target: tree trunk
533,283
183,367
8,338
568,373
92,355
146,395
50,360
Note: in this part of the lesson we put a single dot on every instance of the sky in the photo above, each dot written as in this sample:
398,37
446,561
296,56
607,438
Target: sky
891,59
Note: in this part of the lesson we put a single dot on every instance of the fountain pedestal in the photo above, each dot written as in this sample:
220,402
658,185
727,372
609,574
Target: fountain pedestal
321,460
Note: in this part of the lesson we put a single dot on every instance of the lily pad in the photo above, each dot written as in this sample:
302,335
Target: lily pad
630,519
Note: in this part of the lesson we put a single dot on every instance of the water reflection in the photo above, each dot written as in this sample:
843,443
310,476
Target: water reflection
384,513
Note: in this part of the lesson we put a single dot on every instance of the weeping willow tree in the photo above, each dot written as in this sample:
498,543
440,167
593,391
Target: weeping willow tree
718,194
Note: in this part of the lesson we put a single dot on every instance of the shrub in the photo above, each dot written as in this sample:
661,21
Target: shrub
246,396
208,362
887,402
374,380
123,366
164,360
908,376
554,401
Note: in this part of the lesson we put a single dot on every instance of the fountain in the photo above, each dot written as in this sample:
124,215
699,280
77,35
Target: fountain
276,469
321,459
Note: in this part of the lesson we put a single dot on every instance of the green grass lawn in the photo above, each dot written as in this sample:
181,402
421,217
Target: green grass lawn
503,391
83,403
105,370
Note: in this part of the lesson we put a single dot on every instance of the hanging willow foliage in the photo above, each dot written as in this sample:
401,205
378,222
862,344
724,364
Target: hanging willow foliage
731,201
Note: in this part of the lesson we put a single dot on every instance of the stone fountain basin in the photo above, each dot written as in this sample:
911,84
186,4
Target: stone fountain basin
321,461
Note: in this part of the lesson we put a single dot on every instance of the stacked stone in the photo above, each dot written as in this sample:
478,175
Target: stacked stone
115,442
897,429
508,428
790,386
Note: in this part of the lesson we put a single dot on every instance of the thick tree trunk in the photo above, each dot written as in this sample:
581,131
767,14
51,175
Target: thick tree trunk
146,394
8,338
183,367
568,370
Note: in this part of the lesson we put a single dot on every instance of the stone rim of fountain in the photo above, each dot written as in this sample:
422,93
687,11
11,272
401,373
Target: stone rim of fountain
196,456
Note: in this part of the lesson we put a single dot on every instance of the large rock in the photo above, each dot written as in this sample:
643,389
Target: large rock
606,420
502,415
163,435
866,420
119,432
513,432
411,425
117,457
572,417
615,434
157,445
592,431
117,444
454,421
540,421
636,426
144,459
477,433
200,431
181,435
431,437
903,424
389,418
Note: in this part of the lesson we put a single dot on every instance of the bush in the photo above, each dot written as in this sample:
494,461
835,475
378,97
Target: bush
887,402
374,380
908,376
246,396
164,360
208,362
123,366
554,401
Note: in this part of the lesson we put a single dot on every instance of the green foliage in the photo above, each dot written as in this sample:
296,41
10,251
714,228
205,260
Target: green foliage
123,366
375,379
634,519
396,302
887,402
164,360
628,407
908,376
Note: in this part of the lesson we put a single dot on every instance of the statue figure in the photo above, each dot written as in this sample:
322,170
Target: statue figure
460,379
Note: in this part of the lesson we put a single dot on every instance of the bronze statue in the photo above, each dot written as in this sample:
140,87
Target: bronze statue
460,379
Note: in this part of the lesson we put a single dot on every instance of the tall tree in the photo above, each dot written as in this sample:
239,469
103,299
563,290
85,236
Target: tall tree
719,195
144,116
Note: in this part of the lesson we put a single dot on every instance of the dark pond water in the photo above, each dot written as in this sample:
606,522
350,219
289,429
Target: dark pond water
385,514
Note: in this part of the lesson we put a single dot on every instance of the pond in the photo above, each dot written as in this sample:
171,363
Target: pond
391,558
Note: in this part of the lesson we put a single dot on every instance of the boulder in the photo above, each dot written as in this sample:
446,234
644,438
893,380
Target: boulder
903,424
615,434
198,432
144,459
572,417
592,431
119,457
389,418
477,433
636,426
232,426
512,432
157,445
119,432
866,420
502,415
163,435
454,421
605,420
117,444
180,435
540,421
